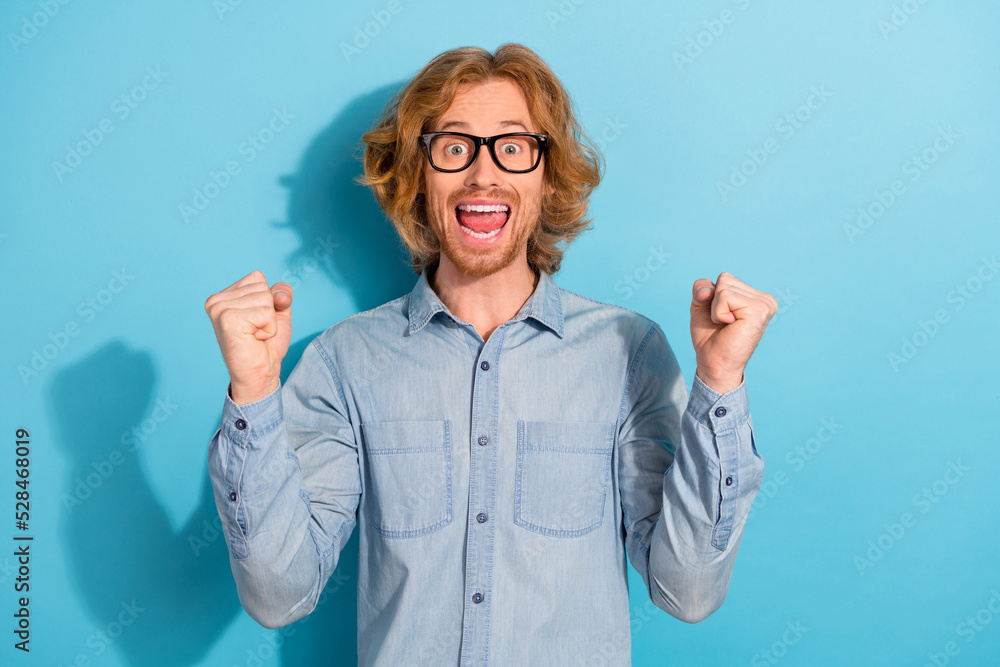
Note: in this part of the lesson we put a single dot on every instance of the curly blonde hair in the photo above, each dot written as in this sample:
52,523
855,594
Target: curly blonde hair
394,160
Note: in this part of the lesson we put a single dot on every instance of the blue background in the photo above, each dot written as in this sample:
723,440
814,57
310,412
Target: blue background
841,545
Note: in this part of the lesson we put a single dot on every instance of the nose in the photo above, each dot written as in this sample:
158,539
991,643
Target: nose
483,172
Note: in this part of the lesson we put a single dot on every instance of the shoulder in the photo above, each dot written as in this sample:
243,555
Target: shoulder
390,316
579,309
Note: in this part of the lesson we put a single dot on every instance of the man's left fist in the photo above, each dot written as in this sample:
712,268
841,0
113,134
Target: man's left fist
728,318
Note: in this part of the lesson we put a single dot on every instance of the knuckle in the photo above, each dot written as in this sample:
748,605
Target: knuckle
228,317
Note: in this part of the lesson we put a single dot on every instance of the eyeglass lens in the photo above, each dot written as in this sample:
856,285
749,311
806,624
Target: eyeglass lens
453,151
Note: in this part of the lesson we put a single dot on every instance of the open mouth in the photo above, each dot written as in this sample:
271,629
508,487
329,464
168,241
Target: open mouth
482,221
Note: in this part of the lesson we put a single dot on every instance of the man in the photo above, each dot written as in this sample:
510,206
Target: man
503,445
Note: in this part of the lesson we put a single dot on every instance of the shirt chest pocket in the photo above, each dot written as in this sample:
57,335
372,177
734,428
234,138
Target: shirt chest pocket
408,473
562,474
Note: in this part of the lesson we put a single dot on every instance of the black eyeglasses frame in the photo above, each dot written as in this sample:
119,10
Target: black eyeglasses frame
489,142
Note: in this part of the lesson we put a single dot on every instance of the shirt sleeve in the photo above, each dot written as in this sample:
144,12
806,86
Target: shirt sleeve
287,483
689,470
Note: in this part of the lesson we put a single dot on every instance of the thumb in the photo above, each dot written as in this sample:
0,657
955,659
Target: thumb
702,292
282,294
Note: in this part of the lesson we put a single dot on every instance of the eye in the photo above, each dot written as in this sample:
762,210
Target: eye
510,149
456,149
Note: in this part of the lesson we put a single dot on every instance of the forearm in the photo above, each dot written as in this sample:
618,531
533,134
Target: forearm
261,498
707,494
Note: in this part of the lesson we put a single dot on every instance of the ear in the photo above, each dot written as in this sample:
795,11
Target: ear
547,186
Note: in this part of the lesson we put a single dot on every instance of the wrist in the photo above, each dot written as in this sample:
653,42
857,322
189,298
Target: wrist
243,395
721,384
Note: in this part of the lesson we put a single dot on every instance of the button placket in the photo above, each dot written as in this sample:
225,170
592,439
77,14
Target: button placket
242,432
482,501
726,436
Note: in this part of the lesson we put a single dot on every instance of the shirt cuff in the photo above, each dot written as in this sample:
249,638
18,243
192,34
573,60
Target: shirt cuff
718,412
244,424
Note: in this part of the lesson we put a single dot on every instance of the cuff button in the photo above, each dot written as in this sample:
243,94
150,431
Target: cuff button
232,496
240,424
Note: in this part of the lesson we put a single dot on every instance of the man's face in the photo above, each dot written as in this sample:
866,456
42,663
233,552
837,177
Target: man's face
482,243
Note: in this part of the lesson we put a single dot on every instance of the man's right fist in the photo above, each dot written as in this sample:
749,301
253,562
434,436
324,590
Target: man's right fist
253,324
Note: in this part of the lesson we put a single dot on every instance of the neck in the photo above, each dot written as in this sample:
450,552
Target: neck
484,302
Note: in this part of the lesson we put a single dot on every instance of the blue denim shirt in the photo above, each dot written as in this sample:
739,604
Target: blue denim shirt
499,488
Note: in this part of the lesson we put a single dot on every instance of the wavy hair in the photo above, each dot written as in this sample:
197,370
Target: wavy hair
394,160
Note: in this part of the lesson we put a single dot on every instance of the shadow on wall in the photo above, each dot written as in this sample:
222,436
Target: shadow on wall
339,225
171,599
176,589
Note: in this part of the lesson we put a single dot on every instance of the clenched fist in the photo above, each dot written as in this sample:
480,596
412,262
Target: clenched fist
253,324
728,318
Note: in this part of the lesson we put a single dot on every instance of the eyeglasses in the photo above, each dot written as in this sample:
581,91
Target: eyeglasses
520,152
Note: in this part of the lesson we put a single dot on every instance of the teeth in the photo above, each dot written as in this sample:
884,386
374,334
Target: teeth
480,235
479,208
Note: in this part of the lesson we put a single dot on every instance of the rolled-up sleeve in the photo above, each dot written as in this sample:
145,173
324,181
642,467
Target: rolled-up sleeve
286,481
689,470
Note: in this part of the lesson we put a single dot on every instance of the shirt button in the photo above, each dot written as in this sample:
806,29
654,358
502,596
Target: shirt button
481,517
483,440
485,365
240,424
477,597
729,481
232,496
720,411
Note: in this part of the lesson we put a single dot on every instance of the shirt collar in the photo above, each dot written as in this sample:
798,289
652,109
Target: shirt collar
544,305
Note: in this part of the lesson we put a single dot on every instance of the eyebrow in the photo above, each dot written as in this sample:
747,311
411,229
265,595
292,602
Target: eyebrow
504,123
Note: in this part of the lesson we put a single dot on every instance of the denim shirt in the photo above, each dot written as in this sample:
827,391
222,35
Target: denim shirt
499,487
